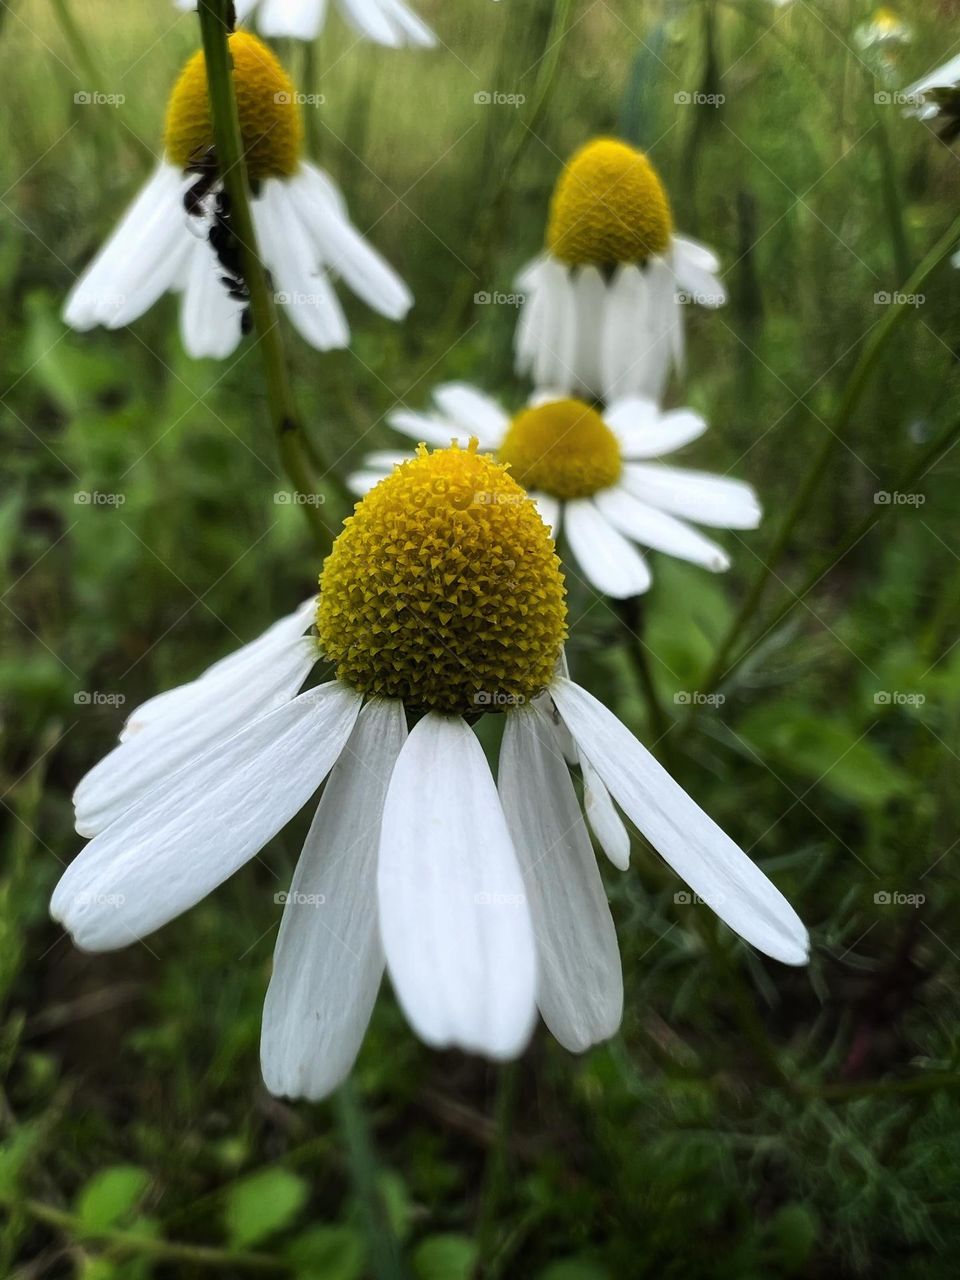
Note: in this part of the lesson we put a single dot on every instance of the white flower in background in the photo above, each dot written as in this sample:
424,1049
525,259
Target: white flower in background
937,95
177,233
884,29
594,477
442,598
603,306
387,22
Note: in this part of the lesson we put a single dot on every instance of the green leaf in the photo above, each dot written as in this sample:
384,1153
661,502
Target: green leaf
263,1204
445,1257
574,1269
110,1196
327,1253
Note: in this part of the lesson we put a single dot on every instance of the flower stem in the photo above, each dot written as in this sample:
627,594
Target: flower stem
496,1176
215,27
892,200
383,1251
896,313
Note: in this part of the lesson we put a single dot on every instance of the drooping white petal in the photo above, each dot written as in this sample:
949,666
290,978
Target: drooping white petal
657,530
694,495
209,317
691,842
453,913
301,282
408,27
695,267
342,248
580,988
590,301
197,827
554,358
427,429
361,482
632,354
298,19
143,257
644,432
605,823
216,711
369,18
607,559
942,77
242,664
530,322
473,412
328,960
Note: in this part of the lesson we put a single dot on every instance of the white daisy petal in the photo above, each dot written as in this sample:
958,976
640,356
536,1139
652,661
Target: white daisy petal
196,828
695,266
453,915
298,19
580,989
691,842
605,823
216,711
657,530
634,357
342,247
694,495
328,960
209,317
554,359
606,558
361,482
473,412
644,432
141,260
428,430
549,508
590,302
410,29
368,17
242,664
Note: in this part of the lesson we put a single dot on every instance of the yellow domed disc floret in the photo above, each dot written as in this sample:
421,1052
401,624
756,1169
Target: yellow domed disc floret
270,123
443,589
608,206
563,448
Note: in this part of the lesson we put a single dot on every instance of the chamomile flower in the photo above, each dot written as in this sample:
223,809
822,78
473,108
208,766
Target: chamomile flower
602,310
595,476
937,96
441,599
884,29
177,234
387,22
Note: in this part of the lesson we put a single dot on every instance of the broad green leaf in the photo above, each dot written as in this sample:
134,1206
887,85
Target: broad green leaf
110,1196
327,1253
445,1257
262,1204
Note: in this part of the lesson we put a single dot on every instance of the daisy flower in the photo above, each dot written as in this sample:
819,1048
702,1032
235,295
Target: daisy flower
937,94
883,29
602,306
442,599
593,475
387,22
177,235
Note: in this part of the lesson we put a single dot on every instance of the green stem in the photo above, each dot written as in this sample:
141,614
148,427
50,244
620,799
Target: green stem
631,615
383,1251
903,485
496,1174
892,199
896,313
126,1242
287,428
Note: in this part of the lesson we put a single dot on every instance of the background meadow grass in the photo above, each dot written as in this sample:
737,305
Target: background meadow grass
749,1120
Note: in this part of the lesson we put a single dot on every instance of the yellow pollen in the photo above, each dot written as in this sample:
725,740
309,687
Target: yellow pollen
608,206
443,589
563,448
270,123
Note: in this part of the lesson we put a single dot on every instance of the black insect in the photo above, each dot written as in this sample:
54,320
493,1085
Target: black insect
221,234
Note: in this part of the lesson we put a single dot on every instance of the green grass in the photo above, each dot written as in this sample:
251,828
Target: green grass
748,1120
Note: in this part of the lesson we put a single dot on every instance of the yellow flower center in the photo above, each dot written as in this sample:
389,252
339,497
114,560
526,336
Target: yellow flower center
443,589
270,123
608,206
563,448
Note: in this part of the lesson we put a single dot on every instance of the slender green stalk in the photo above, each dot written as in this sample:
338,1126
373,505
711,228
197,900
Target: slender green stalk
880,335
383,1251
902,485
892,198
497,1170
631,615
288,430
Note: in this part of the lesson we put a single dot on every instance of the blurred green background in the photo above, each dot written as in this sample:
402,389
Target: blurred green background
748,1120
